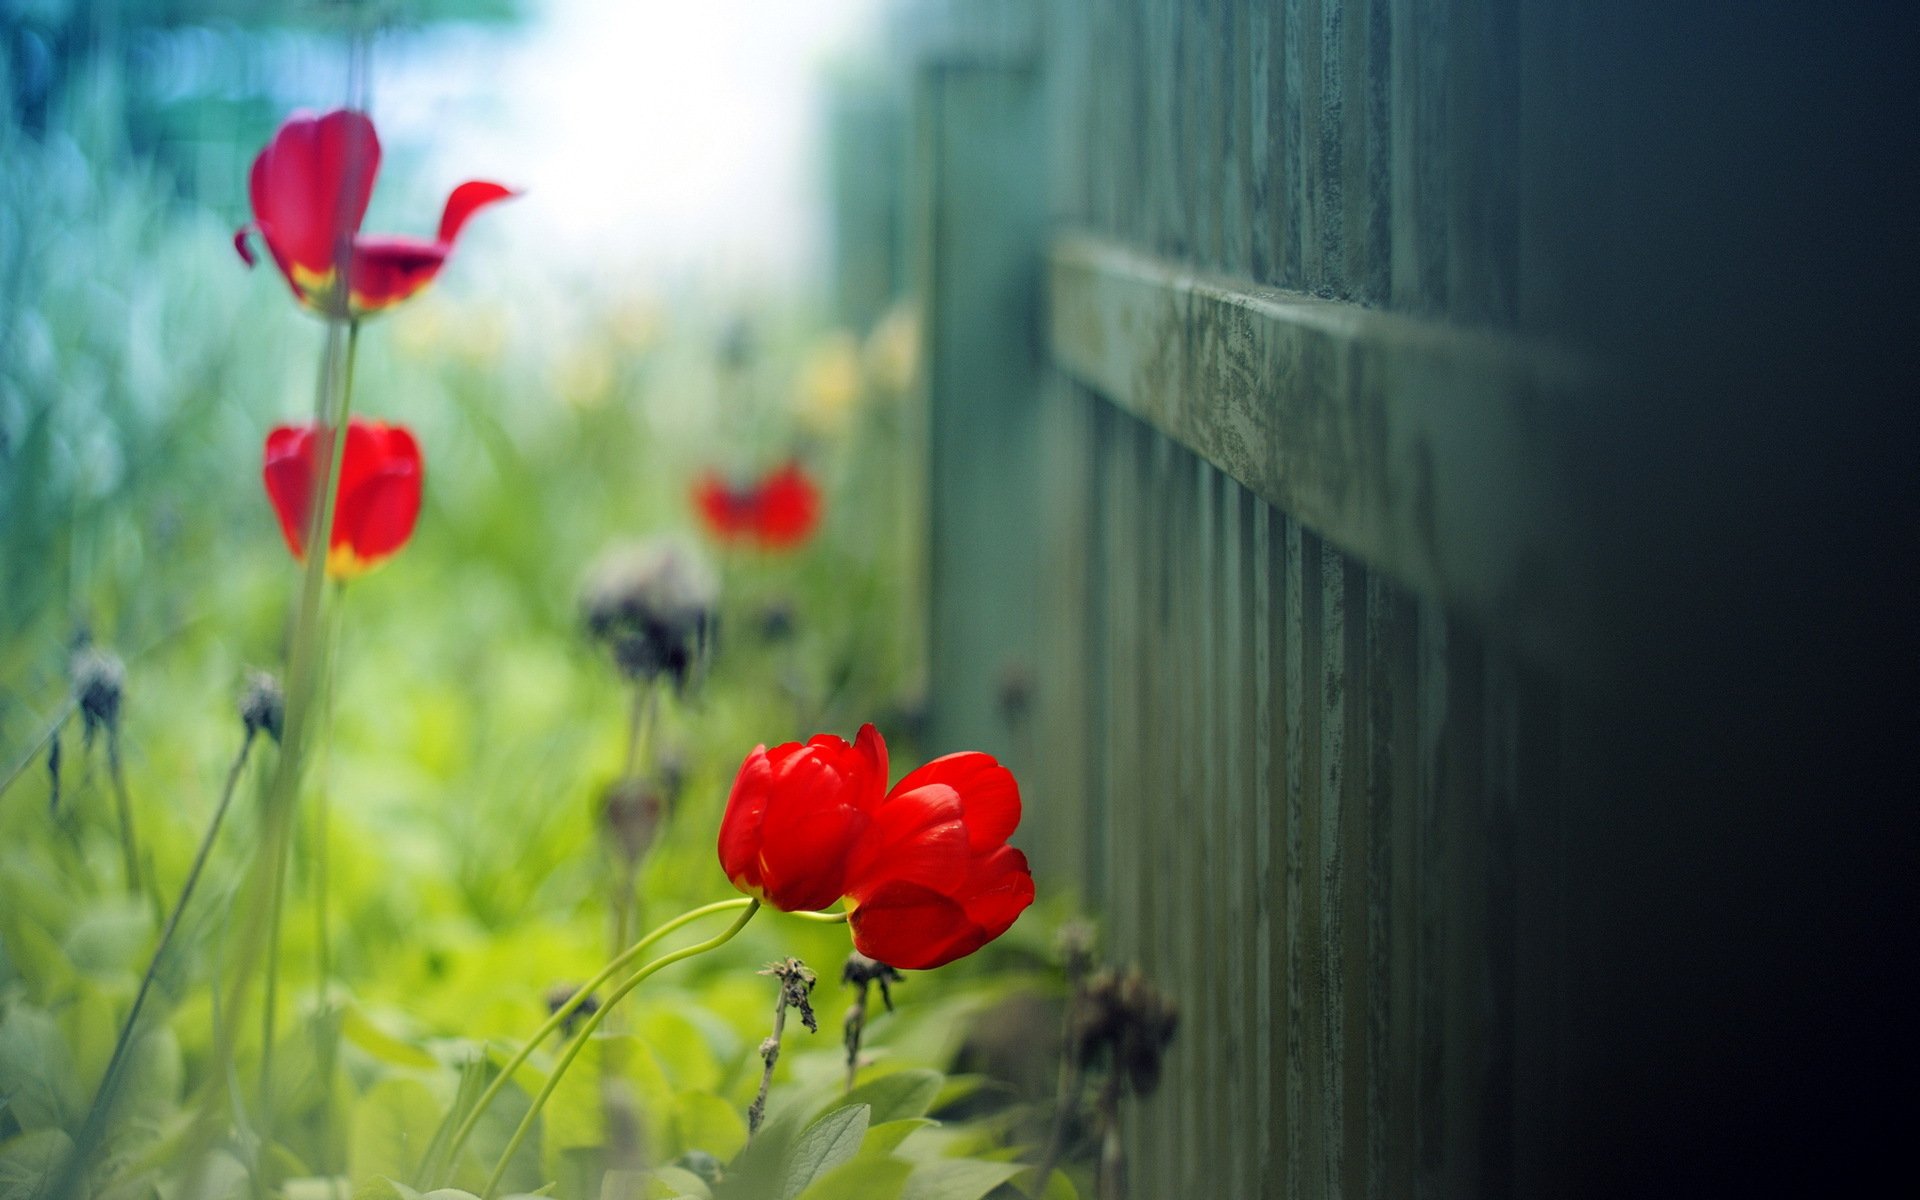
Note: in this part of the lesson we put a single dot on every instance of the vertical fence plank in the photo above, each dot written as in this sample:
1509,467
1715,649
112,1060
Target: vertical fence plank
1237,806
1316,809
1270,776
1306,987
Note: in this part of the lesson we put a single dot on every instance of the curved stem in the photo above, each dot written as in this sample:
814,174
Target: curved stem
561,1014
823,918
592,1023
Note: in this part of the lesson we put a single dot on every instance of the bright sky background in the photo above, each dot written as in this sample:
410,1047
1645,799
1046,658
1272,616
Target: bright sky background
653,136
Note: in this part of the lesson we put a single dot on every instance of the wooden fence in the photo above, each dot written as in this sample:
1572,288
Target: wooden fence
1264,393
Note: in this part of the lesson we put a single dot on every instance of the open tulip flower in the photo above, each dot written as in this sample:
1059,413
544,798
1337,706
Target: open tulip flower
379,497
778,512
310,188
924,868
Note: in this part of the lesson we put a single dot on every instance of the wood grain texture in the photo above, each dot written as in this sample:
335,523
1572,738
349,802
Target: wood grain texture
1305,604
1416,446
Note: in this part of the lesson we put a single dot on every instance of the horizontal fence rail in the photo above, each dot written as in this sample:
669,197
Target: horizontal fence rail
1416,446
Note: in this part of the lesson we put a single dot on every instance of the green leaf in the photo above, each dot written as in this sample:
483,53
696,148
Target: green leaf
357,1029
681,1050
153,1075
899,1095
678,1181
869,1178
223,1178
709,1123
392,1127
111,939
379,1187
828,1142
37,1084
29,1162
886,1137
958,1179
1059,1186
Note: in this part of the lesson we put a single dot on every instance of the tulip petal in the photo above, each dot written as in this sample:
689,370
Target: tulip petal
917,835
379,504
914,928
465,200
310,186
378,496
740,827
788,508
390,268
289,475
988,794
241,238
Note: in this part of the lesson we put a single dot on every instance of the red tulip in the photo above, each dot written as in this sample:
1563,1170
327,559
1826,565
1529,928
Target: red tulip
793,814
925,869
379,492
310,188
932,879
776,513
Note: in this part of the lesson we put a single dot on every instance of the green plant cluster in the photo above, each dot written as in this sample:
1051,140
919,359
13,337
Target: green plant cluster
473,730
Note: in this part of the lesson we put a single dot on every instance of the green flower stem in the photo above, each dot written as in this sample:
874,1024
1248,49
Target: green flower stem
561,1014
307,659
592,1023
110,1080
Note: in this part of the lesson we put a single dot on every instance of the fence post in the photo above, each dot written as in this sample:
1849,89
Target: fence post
977,219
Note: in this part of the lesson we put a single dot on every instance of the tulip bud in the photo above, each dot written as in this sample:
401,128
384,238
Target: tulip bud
655,607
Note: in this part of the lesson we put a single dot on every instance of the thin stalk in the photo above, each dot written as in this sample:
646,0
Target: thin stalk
110,1081
123,805
1072,1079
560,1016
646,699
33,755
593,1022
326,1042
640,722
270,1001
770,1058
306,659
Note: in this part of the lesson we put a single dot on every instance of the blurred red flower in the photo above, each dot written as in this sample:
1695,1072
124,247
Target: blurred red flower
778,512
310,188
925,867
379,498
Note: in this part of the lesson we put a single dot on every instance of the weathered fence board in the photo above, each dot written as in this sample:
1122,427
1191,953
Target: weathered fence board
1329,569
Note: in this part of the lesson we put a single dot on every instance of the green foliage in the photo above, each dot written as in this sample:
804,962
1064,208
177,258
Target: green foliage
473,731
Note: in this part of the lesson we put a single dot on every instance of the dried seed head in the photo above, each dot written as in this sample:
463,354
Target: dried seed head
796,988
557,997
776,620
655,606
1075,943
263,706
1124,1014
670,775
861,971
631,813
99,684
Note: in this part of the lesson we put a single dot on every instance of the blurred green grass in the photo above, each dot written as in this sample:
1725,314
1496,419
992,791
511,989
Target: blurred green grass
475,727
